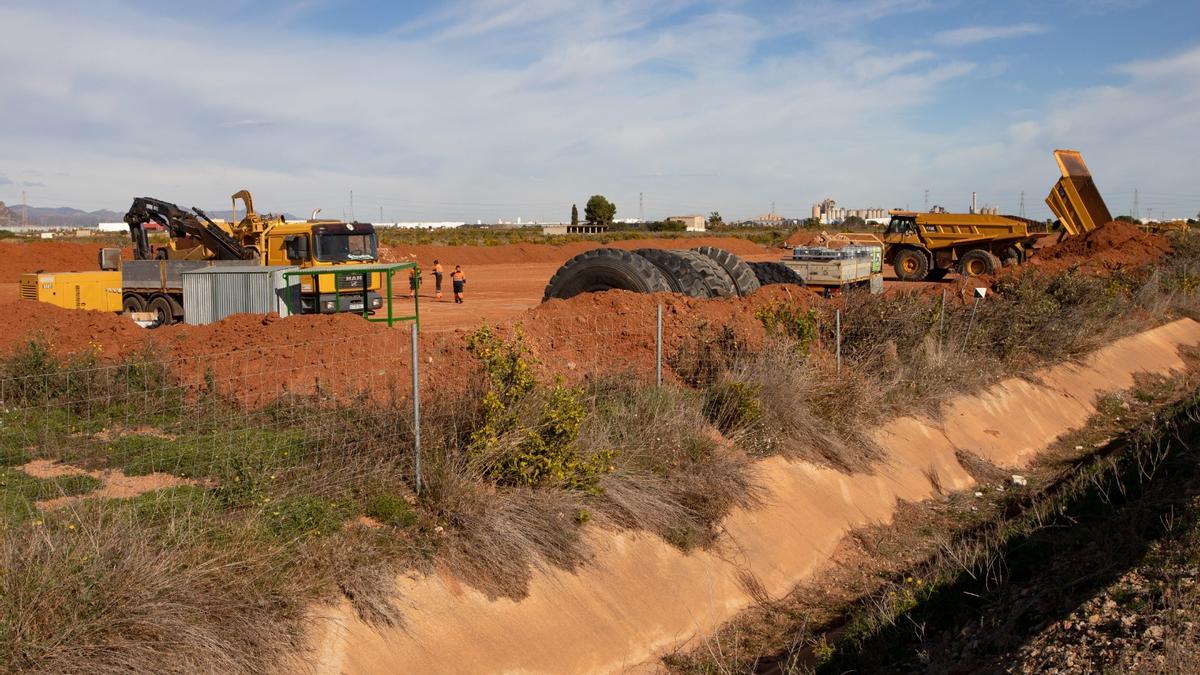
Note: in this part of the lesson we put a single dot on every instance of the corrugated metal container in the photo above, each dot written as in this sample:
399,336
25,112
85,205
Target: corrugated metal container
213,293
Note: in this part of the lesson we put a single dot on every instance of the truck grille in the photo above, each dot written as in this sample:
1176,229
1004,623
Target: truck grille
352,282
29,290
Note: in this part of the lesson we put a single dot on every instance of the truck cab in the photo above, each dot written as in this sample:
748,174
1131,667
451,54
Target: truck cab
328,244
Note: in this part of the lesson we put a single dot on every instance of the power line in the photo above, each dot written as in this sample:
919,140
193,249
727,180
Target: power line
1022,213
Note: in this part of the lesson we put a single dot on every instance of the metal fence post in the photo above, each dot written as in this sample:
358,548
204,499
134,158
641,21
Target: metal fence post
416,394
838,334
658,349
970,325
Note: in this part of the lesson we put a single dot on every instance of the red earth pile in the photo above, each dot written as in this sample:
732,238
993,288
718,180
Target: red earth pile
1112,246
257,359
52,256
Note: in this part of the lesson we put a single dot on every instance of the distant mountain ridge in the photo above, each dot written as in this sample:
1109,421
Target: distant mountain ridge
61,216
65,216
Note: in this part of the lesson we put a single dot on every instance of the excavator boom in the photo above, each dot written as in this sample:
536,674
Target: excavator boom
1074,198
179,224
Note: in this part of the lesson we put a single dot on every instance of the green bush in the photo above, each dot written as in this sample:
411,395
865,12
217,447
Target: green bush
790,320
528,434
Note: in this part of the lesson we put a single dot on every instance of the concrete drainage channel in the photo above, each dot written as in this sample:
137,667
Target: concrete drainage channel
1030,569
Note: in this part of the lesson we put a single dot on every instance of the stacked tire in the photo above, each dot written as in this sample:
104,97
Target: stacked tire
704,272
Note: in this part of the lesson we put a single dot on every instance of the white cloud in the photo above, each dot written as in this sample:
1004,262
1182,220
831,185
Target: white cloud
969,35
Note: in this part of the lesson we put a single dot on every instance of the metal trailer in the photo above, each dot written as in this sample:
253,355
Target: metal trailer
157,285
838,268
213,293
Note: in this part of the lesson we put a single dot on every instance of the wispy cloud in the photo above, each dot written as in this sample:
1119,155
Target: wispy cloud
4,180
969,35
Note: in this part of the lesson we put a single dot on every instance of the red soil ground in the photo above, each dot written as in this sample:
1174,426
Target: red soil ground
54,256
549,253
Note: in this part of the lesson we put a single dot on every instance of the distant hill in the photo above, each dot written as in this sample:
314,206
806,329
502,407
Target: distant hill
64,216
61,216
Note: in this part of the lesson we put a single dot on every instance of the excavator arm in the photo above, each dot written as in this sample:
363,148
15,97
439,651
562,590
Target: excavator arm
180,223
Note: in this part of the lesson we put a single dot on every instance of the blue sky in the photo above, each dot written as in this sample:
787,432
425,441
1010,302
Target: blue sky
481,109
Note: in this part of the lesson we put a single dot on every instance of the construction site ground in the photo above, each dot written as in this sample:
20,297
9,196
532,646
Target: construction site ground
502,281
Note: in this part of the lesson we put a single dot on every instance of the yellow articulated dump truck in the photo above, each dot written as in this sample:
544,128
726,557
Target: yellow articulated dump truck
927,246
153,281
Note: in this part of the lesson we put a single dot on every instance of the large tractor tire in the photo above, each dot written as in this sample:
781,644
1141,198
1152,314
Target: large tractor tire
911,265
717,281
768,273
978,263
681,273
744,280
604,269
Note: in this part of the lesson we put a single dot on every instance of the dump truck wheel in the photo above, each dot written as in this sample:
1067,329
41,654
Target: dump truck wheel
911,265
744,280
161,306
132,302
769,273
603,269
717,281
682,275
978,263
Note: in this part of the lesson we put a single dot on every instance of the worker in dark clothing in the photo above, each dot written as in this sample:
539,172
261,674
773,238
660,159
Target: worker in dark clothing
459,280
414,281
437,278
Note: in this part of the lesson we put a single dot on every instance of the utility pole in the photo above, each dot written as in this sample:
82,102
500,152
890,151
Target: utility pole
381,214
1022,203
772,207
641,207
1136,215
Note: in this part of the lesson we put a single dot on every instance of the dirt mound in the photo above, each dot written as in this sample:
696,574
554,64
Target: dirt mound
68,331
54,256
507,254
801,238
614,331
1113,245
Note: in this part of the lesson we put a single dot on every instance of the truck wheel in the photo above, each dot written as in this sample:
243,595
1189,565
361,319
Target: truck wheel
132,302
717,281
161,306
603,269
744,280
911,265
978,263
769,273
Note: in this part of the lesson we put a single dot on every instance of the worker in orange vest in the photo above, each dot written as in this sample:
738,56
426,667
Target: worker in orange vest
459,280
437,278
